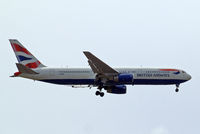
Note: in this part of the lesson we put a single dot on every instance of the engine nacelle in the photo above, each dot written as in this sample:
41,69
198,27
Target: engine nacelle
124,79
118,89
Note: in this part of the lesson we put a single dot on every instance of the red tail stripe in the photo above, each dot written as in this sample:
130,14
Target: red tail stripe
33,65
18,48
17,73
169,70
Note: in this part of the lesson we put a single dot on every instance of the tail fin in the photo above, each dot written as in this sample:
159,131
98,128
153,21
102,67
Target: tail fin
24,57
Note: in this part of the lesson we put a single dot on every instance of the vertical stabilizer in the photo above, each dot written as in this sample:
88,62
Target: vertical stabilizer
24,57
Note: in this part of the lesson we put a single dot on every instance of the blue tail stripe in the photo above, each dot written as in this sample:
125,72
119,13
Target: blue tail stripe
22,58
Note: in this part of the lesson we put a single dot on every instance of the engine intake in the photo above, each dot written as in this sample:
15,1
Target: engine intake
124,79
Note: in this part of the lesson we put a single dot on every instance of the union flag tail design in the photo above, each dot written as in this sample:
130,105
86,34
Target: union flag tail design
24,57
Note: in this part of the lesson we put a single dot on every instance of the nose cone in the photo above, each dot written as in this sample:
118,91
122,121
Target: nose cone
189,77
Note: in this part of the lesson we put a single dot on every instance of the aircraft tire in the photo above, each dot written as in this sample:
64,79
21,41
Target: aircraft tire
97,93
102,94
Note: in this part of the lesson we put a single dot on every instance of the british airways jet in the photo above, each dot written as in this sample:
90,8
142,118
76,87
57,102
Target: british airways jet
100,75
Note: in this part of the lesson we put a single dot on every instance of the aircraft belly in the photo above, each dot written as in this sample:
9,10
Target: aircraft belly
70,79
157,81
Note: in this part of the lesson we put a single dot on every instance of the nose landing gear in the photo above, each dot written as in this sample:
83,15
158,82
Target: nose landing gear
177,87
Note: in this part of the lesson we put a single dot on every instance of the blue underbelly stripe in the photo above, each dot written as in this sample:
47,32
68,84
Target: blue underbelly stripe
157,81
70,81
92,81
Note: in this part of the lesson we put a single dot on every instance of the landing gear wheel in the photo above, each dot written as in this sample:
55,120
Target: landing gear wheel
102,94
97,93
177,87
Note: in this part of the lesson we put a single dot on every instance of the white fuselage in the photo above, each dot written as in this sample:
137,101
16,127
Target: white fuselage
100,74
85,76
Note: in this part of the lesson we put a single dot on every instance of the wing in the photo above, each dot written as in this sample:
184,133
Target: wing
99,66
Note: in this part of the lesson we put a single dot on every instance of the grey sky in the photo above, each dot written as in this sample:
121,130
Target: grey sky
124,33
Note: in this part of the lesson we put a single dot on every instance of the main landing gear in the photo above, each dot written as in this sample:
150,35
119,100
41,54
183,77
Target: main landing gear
99,92
177,87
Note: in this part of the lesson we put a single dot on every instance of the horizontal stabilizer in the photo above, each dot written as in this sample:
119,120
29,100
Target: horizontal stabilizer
25,69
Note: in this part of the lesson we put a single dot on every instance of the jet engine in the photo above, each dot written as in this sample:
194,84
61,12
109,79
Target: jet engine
118,89
124,79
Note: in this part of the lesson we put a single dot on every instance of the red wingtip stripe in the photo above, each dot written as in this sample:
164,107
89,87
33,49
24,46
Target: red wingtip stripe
18,48
169,70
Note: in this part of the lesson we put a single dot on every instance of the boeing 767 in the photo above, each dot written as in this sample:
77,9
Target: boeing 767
100,75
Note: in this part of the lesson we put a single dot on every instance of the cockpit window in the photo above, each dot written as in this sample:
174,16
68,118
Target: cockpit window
183,72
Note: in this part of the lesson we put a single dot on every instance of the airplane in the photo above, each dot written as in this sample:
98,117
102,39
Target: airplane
100,74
